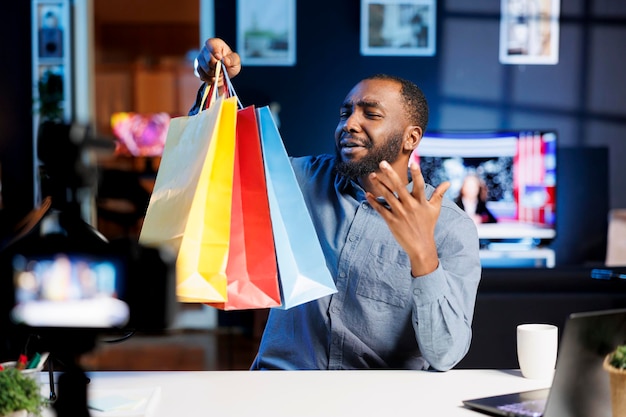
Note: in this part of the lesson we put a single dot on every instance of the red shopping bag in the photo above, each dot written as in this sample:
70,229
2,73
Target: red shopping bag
251,270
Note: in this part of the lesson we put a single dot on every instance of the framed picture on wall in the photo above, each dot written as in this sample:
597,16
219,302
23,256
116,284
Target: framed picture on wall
266,32
50,23
529,31
398,27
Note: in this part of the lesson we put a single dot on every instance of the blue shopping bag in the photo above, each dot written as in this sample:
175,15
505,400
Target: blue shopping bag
303,275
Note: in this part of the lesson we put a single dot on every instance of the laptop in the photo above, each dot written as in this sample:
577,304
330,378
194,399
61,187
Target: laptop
580,387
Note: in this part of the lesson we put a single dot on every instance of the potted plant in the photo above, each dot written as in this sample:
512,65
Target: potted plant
615,365
50,100
19,393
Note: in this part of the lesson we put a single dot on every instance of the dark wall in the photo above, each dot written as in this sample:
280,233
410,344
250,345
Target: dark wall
509,297
328,65
15,130
16,138
583,96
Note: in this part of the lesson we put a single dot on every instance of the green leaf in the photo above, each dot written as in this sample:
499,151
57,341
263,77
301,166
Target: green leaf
19,392
618,357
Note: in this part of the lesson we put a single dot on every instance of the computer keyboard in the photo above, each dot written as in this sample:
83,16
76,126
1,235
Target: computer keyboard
531,408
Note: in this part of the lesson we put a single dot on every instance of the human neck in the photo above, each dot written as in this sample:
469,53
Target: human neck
366,182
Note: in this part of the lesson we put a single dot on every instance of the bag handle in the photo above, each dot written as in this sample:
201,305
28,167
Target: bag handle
229,85
211,92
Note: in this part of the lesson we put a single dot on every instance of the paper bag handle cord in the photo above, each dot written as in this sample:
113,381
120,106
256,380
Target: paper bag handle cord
211,91
229,85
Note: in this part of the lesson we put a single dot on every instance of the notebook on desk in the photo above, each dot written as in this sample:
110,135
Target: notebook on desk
580,387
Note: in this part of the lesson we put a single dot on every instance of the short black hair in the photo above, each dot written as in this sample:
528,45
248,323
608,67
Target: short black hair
415,103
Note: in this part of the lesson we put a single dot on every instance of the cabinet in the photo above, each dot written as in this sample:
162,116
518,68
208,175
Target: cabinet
167,86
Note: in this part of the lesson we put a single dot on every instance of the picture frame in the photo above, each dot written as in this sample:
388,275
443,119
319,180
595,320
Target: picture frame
266,32
529,32
50,26
398,27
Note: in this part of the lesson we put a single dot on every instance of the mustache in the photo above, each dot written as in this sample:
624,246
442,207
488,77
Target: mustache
348,139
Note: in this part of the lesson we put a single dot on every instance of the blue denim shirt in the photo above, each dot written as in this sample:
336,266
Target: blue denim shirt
381,317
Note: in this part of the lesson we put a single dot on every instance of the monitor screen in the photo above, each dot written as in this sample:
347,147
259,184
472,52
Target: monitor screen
505,180
65,290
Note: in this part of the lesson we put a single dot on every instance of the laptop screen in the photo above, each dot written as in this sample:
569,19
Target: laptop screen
581,386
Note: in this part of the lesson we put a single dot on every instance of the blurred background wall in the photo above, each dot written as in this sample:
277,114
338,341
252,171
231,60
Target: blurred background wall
142,63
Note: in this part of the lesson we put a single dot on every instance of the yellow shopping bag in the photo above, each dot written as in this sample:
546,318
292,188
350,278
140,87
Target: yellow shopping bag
203,253
189,209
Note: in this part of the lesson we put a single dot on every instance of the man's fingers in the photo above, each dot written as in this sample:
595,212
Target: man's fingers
440,190
418,182
233,64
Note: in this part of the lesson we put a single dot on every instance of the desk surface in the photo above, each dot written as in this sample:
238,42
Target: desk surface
317,393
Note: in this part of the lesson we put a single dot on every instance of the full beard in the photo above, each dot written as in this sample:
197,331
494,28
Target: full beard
389,151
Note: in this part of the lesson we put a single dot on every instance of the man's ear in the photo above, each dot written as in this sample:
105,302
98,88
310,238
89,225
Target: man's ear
412,138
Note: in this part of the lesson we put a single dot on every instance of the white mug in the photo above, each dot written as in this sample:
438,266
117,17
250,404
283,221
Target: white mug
537,346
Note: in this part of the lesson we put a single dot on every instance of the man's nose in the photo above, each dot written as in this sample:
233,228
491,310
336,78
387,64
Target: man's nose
352,123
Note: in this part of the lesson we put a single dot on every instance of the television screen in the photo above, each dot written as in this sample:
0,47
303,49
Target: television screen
505,180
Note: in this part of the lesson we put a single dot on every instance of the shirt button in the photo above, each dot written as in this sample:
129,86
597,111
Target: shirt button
352,238
364,206
342,274
417,291
335,309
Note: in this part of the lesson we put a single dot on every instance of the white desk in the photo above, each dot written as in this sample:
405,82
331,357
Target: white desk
317,393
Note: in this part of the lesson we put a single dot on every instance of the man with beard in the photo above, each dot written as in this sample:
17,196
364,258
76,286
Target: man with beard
404,258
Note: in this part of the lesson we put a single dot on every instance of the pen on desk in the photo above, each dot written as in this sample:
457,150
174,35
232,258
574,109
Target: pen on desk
34,362
21,362
606,274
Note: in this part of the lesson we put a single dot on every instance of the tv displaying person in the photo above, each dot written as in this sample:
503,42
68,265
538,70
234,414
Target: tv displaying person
473,199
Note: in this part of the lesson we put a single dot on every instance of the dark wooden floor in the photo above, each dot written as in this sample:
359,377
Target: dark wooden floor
193,350
230,345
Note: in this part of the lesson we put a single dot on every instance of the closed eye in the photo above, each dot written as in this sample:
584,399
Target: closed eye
344,113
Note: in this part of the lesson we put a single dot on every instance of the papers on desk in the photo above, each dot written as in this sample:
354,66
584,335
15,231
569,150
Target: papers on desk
131,402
